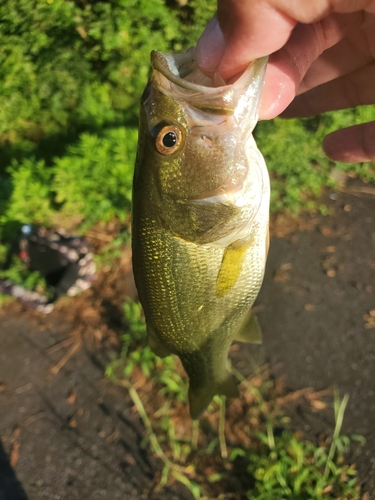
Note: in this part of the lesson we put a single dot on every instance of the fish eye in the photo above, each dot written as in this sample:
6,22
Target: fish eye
168,140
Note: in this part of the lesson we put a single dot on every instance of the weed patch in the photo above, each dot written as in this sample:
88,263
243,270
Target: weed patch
241,450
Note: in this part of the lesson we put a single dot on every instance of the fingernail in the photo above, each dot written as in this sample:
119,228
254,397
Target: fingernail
210,47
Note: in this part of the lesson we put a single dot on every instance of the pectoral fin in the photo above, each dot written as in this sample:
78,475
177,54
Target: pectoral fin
230,268
249,331
156,345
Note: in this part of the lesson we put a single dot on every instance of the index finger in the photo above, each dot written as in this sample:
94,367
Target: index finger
251,30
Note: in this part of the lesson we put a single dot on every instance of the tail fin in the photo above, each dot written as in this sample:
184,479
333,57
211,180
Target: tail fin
199,399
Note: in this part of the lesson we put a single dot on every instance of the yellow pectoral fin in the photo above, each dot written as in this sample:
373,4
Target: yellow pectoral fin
249,331
230,268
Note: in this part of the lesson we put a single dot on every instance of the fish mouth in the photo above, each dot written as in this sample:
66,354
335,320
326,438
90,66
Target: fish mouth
178,75
182,69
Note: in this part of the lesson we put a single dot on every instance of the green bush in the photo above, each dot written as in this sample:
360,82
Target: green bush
92,181
95,178
67,64
298,167
30,198
72,73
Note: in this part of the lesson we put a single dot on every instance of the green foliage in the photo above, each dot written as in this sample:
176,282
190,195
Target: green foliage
289,468
114,249
18,274
68,67
294,159
72,74
43,68
30,197
94,179
3,254
135,349
298,168
280,464
69,63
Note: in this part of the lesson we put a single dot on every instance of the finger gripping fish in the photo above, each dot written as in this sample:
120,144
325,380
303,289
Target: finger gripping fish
200,218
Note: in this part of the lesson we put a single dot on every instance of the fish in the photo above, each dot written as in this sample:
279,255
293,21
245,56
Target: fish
200,217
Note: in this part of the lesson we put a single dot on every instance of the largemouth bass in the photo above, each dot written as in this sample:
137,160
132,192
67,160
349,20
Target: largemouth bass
200,218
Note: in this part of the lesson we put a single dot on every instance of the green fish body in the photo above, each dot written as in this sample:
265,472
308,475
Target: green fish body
200,218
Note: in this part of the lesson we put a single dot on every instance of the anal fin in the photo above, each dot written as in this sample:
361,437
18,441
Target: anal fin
249,331
156,345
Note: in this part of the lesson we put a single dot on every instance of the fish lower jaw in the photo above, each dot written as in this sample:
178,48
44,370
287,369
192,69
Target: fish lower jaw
242,234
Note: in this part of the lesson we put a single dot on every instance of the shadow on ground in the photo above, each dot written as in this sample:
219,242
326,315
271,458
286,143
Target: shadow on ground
10,487
77,436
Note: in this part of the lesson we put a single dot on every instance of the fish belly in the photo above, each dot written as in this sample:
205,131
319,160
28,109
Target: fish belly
189,309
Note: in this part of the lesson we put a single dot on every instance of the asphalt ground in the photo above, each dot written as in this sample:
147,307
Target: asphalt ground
74,435
315,306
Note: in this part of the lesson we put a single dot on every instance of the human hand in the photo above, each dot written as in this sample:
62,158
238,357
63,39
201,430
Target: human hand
322,58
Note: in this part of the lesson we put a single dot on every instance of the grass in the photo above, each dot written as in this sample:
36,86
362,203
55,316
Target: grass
244,449
20,275
5,299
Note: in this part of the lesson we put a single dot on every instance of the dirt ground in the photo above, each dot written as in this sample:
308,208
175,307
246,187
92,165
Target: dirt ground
67,433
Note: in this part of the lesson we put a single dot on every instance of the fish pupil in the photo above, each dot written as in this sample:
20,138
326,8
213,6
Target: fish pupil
169,140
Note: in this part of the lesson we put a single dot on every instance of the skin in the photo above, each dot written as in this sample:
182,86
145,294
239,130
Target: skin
322,59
